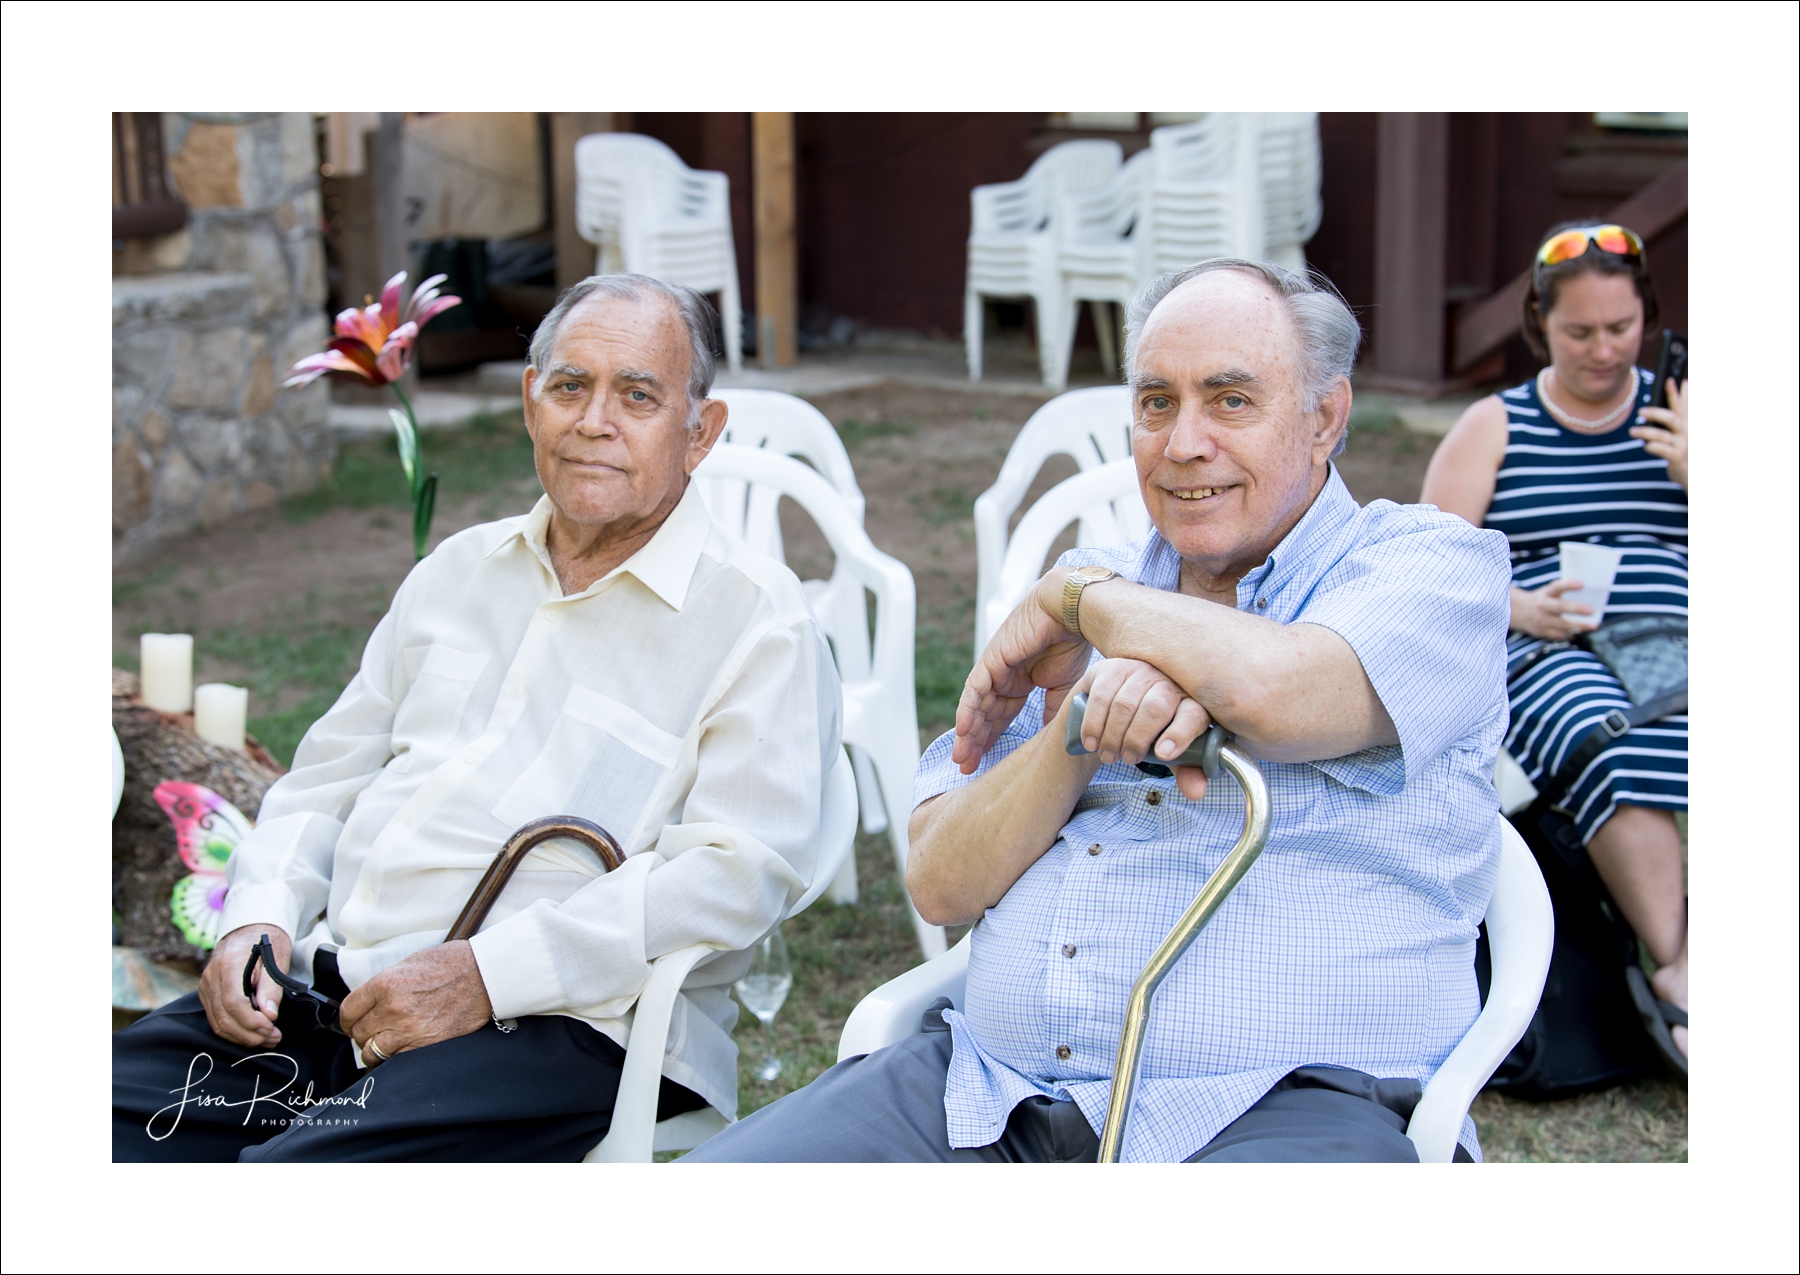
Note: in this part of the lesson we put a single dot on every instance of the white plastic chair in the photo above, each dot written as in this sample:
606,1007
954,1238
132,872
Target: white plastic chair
880,714
1196,192
1288,156
1110,506
1092,426
1520,930
790,425
649,213
1012,243
1097,256
636,1133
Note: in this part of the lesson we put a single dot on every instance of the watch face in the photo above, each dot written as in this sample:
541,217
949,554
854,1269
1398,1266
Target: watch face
1094,573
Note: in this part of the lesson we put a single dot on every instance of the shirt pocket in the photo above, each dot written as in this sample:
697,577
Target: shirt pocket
603,761
439,681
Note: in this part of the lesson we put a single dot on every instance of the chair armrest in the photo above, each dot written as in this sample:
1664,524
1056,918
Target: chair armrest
633,1134
999,208
891,1012
1521,929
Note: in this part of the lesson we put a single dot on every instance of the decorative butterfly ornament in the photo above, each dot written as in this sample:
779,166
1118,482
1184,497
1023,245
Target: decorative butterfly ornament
207,829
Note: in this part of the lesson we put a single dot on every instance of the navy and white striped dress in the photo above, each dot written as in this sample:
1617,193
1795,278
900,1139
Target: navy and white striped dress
1555,485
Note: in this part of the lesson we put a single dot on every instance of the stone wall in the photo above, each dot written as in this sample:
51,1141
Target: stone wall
206,323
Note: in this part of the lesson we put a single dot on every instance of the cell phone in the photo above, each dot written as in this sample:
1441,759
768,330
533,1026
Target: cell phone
1671,365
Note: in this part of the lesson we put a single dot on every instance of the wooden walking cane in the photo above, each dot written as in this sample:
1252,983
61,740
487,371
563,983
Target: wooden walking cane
493,881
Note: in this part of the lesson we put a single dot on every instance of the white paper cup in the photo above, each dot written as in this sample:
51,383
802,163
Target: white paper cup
1595,566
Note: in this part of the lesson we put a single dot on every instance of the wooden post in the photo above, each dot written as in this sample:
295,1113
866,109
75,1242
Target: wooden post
1411,204
390,202
777,279
392,234
575,256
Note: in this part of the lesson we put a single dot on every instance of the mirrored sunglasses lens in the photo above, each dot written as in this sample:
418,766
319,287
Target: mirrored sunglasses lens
1616,239
1564,247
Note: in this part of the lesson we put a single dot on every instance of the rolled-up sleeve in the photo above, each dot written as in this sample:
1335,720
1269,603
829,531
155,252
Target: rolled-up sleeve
1426,611
742,854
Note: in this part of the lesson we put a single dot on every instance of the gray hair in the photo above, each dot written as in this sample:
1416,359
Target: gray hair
1329,333
697,316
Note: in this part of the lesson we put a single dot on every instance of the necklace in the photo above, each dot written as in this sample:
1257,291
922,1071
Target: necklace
1567,418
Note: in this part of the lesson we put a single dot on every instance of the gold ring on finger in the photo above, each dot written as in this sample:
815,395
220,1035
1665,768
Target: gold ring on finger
377,1048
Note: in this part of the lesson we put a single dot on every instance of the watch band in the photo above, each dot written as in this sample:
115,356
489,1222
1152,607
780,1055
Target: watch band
1076,581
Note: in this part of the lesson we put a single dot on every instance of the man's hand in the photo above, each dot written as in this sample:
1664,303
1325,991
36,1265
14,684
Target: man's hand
229,1013
1130,703
1031,649
432,995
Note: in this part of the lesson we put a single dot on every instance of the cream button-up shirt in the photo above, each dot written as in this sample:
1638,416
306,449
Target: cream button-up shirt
686,702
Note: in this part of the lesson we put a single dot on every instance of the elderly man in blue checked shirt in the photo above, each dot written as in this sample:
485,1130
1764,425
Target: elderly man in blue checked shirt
1358,652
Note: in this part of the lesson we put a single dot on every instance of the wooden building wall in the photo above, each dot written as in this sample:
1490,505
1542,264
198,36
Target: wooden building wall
883,206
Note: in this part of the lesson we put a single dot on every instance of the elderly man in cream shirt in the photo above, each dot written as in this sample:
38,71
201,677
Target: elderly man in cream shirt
612,655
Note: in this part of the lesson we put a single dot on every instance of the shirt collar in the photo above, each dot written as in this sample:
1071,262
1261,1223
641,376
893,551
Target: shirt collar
665,565
1159,567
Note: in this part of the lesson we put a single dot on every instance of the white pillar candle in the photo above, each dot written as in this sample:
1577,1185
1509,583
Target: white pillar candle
219,713
166,664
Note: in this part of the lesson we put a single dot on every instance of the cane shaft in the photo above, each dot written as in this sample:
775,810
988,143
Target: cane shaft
1223,880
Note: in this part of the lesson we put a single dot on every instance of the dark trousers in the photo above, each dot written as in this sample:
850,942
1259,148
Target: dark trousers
888,1107
544,1091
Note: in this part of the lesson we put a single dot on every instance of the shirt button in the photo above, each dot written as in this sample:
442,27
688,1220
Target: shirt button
515,691
412,820
1262,604
366,895
1062,1052
1069,950
1094,849
1153,798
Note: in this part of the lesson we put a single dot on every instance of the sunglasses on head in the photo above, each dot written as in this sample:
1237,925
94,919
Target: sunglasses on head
1569,244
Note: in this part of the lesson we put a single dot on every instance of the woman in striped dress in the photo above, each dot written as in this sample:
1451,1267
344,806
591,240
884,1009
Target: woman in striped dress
1578,454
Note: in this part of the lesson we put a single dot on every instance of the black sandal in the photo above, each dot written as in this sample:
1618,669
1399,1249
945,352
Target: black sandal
1658,1016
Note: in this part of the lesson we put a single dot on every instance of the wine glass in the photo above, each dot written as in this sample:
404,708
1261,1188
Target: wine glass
763,989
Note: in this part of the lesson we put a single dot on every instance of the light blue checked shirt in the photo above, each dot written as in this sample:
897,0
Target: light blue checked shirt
1351,942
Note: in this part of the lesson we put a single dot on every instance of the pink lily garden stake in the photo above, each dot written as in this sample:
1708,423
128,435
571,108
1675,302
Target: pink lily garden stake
373,346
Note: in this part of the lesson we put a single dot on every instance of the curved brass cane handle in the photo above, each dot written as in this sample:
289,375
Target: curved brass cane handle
1210,751
493,881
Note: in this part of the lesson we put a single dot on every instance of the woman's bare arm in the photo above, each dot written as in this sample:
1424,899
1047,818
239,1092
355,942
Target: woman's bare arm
1460,479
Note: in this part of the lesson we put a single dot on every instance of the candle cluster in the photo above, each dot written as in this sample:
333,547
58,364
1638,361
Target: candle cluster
166,663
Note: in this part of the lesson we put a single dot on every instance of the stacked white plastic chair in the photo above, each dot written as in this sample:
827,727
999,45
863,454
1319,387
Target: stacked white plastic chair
1226,185
1012,250
636,1133
1520,930
791,426
1097,257
649,213
1093,426
880,715
1288,157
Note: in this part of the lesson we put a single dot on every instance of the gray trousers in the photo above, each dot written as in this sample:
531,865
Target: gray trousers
888,1107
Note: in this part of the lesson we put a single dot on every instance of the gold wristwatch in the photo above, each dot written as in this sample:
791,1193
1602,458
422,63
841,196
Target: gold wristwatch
1079,579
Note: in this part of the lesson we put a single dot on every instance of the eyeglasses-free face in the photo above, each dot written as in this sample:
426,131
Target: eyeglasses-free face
1569,244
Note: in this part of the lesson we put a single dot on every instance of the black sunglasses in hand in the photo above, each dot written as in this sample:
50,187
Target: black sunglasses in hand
324,1008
